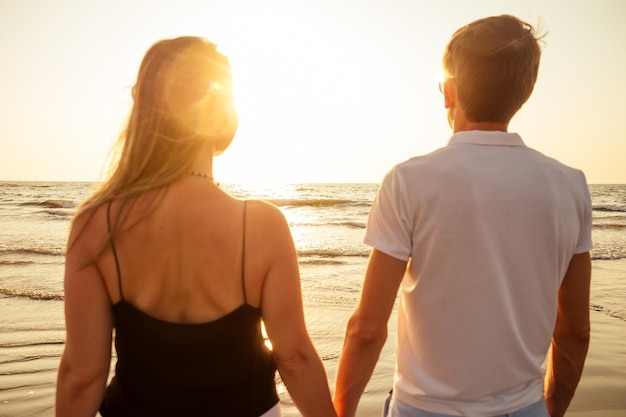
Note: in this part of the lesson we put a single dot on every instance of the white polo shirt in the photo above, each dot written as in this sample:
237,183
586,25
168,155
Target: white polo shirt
489,226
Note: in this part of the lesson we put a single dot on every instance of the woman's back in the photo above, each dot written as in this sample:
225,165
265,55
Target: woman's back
187,340
181,254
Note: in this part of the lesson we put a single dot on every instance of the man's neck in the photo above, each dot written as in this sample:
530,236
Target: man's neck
460,123
466,125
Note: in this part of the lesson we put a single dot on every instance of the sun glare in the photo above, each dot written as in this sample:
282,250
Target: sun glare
303,90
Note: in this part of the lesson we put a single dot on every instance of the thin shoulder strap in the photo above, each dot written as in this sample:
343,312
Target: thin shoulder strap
243,255
117,263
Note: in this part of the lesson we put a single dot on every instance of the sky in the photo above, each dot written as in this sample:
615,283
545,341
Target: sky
327,90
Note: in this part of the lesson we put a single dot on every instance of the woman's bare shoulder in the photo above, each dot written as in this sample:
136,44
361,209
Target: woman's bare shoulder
266,222
88,228
264,210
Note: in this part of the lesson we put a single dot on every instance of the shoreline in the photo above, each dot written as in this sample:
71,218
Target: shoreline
27,384
599,394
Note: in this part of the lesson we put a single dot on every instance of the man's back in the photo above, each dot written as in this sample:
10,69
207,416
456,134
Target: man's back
492,227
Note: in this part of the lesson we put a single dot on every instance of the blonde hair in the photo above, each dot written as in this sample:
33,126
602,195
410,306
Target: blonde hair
182,98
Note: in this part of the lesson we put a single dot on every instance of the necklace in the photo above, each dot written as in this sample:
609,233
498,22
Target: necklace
202,175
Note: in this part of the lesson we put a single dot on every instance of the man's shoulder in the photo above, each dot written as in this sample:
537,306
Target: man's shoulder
555,163
423,161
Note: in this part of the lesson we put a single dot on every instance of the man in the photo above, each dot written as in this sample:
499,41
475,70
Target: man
489,243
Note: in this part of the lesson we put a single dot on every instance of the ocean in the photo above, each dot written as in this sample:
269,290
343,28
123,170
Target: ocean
327,223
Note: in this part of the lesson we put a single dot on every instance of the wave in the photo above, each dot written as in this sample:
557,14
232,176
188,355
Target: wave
319,202
54,204
329,256
333,253
59,213
320,261
33,295
354,225
10,262
329,357
348,224
33,344
609,226
28,358
29,372
33,251
610,208
607,256
608,312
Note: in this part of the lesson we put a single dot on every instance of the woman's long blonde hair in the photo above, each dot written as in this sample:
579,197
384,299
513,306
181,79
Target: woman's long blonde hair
182,99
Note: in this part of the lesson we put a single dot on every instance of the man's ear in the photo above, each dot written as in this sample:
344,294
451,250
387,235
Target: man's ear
450,94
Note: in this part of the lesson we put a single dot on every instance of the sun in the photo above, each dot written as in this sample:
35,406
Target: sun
303,92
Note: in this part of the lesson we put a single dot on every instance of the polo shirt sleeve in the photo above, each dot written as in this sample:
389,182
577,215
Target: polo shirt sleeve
585,242
388,226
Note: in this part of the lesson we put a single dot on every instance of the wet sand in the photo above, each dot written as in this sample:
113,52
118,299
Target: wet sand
601,391
27,387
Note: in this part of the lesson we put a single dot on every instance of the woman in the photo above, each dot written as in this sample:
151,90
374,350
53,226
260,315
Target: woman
183,271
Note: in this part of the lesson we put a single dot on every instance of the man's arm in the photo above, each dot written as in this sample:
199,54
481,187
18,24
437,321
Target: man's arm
570,340
367,330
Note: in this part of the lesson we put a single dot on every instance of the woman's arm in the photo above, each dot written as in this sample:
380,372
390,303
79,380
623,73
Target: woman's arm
298,362
86,359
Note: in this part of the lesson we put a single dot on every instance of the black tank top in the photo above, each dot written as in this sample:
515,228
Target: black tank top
220,368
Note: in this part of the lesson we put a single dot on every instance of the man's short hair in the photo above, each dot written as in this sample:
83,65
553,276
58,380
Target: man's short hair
494,63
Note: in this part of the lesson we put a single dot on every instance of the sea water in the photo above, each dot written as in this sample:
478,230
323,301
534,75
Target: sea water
327,222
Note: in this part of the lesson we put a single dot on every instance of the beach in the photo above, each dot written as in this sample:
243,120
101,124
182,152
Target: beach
327,223
601,392
602,389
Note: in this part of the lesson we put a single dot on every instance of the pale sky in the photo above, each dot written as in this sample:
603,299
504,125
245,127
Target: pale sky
327,90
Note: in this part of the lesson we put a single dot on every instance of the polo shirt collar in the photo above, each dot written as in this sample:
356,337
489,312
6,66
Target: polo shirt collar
484,137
